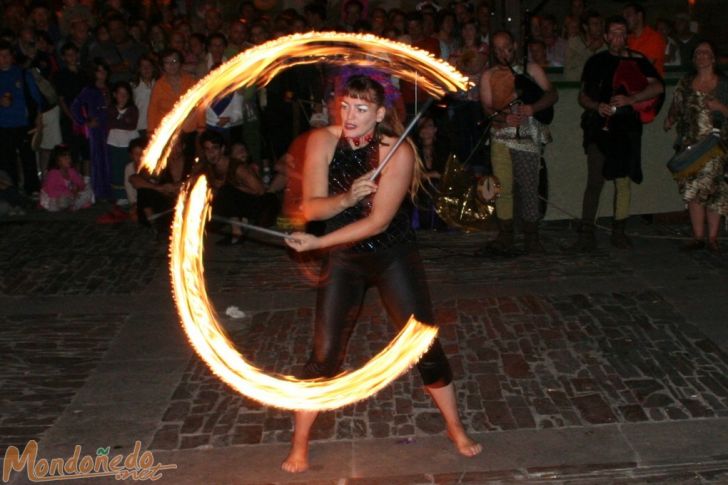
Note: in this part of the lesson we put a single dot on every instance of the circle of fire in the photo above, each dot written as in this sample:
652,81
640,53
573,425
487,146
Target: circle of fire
257,66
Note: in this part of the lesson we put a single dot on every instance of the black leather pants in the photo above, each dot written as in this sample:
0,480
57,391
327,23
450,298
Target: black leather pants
399,276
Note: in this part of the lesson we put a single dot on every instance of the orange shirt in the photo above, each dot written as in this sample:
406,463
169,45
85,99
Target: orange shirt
163,99
652,45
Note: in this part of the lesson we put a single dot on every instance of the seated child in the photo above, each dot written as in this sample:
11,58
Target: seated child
136,150
63,187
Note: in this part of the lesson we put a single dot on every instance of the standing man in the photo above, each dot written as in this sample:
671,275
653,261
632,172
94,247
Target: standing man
20,108
686,40
581,47
517,139
612,128
643,38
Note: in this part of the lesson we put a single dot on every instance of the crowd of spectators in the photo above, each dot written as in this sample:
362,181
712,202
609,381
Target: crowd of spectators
93,80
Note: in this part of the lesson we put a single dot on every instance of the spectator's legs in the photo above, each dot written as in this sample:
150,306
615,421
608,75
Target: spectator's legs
100,164
622,198
697,219
14,143
713,228
31,182
503,169
525,175
594,184
621,212
8,153
590,204
526,167
119,158
151,202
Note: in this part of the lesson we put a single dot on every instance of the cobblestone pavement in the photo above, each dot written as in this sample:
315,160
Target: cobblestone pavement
526,362
77,258
666,475
537,360
44,360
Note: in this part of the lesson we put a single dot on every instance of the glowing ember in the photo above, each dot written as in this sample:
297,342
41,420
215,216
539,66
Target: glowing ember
193,210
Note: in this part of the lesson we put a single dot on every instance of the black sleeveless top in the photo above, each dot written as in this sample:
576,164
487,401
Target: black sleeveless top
348,165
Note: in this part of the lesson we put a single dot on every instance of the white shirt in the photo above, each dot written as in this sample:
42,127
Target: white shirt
142,93
120,138
234,111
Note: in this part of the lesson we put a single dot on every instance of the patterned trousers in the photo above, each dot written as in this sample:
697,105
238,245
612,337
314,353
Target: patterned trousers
517,171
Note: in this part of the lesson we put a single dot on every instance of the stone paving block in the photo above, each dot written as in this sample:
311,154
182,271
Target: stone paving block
45,360
697,440
515,366
633,413
245,434
193,442
594,409
499,414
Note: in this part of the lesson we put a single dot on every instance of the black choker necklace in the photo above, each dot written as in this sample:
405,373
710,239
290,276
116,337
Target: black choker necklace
357,140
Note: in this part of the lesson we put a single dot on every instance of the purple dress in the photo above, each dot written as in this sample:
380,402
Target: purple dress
92,103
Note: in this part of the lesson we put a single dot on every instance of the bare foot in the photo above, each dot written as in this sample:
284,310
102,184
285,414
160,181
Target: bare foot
296,461
466,446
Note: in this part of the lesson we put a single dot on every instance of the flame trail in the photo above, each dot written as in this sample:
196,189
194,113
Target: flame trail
257,66
209,339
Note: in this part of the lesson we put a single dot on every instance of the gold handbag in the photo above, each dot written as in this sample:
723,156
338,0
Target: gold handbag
466,202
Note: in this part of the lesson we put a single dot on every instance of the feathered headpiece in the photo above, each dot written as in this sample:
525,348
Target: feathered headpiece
391,93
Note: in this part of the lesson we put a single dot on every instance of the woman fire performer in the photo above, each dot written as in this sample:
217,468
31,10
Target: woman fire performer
370,243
